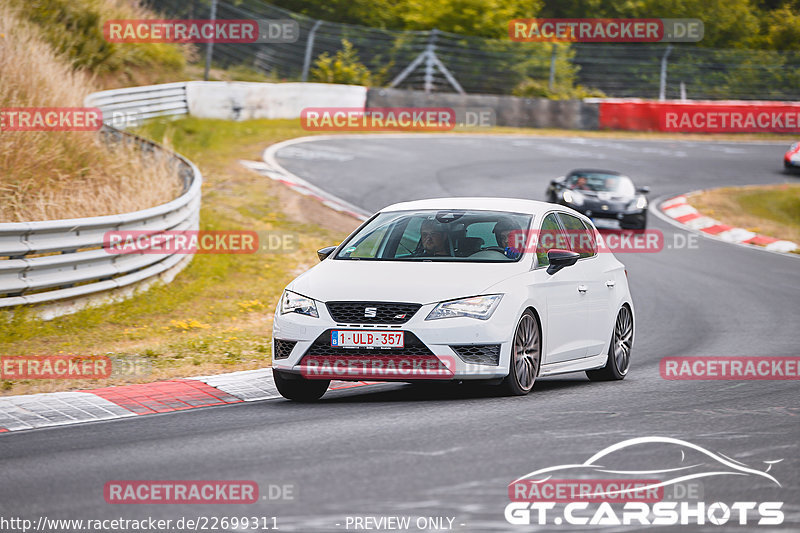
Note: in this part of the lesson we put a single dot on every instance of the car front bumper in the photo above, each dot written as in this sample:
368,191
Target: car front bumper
450,340
626,217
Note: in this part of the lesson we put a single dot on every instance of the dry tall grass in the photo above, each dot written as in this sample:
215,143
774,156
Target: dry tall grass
53,175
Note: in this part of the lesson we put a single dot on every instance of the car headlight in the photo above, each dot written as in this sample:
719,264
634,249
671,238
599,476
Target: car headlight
641,203
480,307
572,197
292,302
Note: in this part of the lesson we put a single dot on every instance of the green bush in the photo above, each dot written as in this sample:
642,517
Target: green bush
530,88
345,67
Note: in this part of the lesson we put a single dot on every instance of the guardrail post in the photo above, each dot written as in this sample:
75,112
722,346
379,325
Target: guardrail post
210,46
309,48
430,55
662,89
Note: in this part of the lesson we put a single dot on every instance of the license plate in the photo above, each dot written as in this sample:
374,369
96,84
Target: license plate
366,339
605,223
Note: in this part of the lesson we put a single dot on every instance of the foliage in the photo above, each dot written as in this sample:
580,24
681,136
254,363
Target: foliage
345,67
75,28
530,88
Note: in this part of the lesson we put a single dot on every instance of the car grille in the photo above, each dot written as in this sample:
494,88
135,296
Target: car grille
481,354
413,347
283,348
385,312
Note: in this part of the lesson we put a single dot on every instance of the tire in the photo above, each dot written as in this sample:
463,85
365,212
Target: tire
619,351
526,356
298,388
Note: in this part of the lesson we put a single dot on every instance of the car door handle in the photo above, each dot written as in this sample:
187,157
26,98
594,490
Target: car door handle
582,288
610,283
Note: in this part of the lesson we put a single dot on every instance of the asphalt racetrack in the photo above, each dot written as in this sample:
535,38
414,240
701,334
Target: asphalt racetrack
400,450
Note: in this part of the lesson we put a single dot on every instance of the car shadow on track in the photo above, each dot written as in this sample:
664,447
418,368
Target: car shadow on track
421,392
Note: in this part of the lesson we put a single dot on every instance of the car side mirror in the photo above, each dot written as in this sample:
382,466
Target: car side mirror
643,190
560,259
323,253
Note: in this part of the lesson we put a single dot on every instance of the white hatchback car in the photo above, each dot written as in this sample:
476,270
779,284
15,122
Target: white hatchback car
496,289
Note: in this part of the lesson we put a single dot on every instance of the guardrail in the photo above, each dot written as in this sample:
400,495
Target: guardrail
124,106
58,260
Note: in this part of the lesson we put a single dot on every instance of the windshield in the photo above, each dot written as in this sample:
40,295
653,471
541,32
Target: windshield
597,181
443,235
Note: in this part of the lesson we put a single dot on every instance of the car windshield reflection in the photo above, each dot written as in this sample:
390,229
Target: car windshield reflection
440,235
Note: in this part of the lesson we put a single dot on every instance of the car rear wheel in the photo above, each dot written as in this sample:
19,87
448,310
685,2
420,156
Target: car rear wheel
619,352
526,355
299,389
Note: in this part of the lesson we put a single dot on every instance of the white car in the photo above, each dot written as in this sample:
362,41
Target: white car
496,289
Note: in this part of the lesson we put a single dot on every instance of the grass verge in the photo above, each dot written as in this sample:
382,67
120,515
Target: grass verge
771,210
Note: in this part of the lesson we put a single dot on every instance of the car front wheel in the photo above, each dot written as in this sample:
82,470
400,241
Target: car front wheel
526,355
619,352
298,388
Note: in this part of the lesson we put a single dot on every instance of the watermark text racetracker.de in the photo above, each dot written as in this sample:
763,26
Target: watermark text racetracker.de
604,241
722,118
50,119
201,31
381,367
396,118
602,30
18,367
199,242
730,368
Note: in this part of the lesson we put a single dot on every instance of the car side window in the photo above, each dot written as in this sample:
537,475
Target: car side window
550,236
580,239
591,237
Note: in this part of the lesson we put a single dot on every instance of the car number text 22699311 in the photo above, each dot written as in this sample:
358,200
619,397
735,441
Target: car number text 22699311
366,339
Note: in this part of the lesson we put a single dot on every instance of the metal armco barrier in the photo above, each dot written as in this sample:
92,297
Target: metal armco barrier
122,107
58,260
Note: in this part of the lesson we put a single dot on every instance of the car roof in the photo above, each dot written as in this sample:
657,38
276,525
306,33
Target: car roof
512,205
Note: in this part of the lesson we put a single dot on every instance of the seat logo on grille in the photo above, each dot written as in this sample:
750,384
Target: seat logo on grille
370,312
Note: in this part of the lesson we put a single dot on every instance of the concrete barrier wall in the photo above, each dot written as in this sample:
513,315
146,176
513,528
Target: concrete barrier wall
243,100
701,116
509,110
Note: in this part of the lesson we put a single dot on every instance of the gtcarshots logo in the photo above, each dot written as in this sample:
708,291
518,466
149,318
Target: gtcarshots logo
583,494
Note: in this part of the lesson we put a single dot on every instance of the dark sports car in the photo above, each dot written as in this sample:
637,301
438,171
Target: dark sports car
602,195
791,160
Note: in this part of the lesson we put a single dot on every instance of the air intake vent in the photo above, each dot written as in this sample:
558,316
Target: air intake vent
283,348
479,354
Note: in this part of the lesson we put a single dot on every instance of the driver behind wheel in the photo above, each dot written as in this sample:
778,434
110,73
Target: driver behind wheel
504,231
